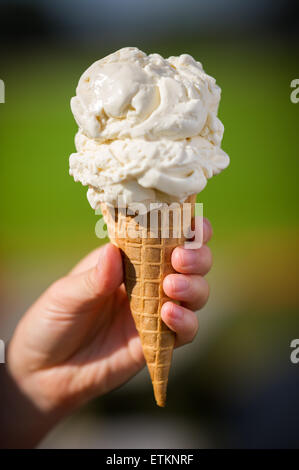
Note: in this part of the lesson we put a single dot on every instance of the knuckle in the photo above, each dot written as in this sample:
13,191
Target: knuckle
196,285
205,252
205,292
90,282
200,294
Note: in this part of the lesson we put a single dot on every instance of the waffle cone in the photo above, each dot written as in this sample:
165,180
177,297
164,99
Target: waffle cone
147,260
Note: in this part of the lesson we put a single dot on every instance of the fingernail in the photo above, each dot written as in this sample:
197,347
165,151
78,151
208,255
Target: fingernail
188,259
176,313
181,284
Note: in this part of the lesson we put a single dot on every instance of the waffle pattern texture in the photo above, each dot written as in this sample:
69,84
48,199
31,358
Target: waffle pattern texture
147,260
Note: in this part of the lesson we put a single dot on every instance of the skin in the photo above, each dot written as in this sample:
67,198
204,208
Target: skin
79,341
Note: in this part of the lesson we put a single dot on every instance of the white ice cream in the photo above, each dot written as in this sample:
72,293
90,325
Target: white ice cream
148,128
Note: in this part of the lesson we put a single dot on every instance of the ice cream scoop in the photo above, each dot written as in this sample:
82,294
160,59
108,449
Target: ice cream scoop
148,128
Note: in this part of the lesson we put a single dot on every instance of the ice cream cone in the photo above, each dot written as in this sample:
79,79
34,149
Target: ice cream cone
147,260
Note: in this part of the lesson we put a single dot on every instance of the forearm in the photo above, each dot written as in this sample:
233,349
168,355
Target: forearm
22,423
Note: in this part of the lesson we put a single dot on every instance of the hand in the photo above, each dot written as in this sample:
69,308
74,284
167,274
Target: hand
79,340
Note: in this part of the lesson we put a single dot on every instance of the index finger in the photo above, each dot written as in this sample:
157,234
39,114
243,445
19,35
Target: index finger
207,230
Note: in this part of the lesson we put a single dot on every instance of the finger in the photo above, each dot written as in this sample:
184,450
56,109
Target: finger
187,261
90,260
181,320
203,229
89,286
207,230
192,290
87,262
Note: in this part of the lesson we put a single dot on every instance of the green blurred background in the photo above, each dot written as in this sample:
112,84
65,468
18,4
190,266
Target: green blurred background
235,385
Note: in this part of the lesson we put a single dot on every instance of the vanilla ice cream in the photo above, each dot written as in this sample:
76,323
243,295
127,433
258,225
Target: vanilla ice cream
148,128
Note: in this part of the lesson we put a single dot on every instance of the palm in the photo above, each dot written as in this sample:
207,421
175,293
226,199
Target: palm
112,353
97,350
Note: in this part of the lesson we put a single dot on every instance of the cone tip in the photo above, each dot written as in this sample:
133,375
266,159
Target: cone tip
160,398
161,403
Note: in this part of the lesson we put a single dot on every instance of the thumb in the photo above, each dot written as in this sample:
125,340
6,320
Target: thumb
88,287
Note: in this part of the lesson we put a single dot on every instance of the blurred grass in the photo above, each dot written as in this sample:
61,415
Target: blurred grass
44,211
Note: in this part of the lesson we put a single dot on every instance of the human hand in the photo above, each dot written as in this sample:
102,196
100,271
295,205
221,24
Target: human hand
78,340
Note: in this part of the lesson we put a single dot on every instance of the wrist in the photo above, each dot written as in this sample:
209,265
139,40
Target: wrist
24,422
